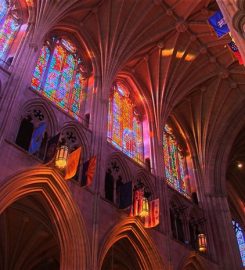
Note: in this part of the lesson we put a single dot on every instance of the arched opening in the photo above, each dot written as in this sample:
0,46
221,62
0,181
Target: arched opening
128,246
28,236
121,256
44,191
192,262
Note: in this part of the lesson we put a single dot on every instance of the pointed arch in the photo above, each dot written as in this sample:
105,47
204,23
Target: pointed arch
68,222
133,230
46,108
124,168
147,181
192,262
82,137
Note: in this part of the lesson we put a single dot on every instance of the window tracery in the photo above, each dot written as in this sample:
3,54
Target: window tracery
61,75
32,135
117,190
125,129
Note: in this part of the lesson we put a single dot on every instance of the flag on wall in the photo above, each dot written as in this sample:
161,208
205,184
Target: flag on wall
52,147
72,163
125,195
137,202
219,24
37,138
153,219
89,168
236,52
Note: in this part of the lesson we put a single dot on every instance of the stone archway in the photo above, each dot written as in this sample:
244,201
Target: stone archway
192,262
49,189
130,235
121,256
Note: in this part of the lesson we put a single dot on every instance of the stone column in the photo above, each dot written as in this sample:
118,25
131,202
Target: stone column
226,247
229,9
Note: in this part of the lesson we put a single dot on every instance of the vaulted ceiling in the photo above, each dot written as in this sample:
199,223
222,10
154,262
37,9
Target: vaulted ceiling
167,50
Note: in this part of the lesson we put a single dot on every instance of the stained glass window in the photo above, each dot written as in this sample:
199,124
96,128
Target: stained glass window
58,75
175,163
125,130
240,236
3,10
9,27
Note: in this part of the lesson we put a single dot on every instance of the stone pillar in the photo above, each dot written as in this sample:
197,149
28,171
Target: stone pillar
226,247
229,10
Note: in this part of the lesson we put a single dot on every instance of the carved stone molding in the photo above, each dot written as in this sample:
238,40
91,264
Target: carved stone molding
239,18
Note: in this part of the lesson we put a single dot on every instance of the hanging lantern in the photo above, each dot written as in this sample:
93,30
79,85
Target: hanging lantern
61,157
202,242
145,208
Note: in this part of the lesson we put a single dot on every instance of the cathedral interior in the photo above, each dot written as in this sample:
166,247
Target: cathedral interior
122,135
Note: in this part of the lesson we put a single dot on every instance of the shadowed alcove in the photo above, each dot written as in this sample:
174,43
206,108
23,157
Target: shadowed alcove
28,239
121,256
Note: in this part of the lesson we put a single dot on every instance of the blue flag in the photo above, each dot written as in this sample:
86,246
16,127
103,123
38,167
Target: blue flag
219,24
37,138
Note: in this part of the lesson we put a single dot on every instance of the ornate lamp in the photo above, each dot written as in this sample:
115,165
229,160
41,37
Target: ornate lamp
145,208
61,157
202,242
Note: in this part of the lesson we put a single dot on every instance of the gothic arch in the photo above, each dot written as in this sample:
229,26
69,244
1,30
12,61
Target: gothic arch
142,176
132,229
192,262
47,109
124,168
82,138
72,236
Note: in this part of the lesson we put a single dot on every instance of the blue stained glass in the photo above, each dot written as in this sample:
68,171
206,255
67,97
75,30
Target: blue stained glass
240,236
3,10
39,71
54,73
8,32
77,93
65,86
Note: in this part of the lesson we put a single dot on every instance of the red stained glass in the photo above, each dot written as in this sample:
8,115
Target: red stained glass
125,131
9,27
57,75
174,163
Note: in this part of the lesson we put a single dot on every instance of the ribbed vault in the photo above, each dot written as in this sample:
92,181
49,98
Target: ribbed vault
172,56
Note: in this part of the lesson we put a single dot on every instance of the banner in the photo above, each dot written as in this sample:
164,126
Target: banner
37,138
236,52
89,168
138,201
219,24
72,163
153,219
